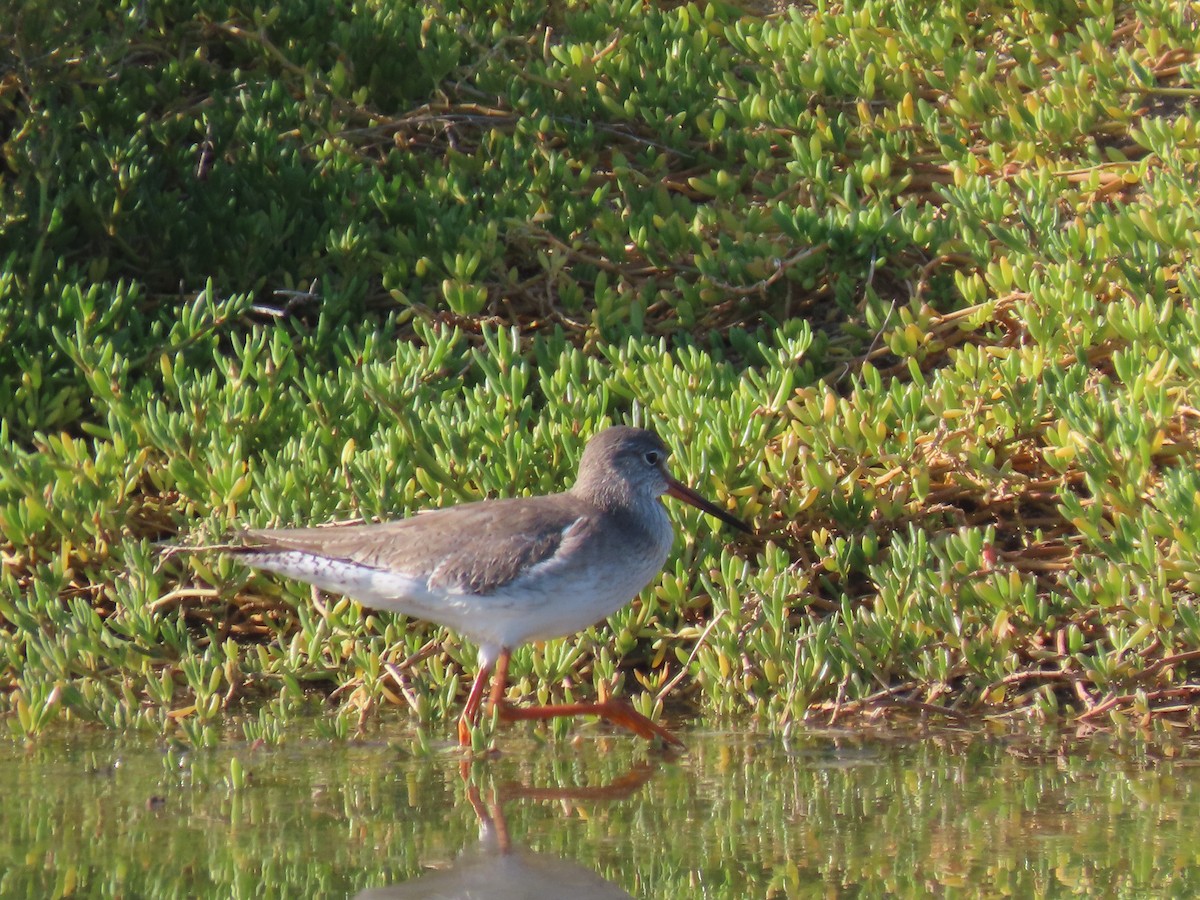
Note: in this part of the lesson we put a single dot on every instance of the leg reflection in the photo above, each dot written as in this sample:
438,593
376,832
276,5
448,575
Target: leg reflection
495,867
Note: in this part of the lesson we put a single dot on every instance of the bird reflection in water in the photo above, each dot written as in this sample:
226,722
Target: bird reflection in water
496,868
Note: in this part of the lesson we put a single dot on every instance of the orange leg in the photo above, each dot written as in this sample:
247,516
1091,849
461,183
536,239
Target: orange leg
614,711
499,680
470,713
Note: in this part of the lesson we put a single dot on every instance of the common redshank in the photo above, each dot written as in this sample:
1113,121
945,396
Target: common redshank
504,572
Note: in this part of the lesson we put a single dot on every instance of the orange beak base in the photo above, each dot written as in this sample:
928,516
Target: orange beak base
687,495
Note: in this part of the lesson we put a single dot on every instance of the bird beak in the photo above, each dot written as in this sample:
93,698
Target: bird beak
687,495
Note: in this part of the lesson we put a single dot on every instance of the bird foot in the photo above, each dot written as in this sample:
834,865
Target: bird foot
615,711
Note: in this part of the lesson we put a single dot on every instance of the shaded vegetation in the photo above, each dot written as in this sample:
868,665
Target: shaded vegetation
915,288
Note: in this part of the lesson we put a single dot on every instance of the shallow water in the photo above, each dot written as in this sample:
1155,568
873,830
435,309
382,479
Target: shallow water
824,813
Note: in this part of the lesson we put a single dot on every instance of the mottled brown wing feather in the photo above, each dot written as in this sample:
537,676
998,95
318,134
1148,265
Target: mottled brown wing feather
476,547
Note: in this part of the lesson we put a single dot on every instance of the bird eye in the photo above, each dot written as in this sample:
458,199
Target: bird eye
653,457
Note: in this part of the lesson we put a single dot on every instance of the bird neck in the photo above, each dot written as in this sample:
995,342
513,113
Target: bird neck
639,511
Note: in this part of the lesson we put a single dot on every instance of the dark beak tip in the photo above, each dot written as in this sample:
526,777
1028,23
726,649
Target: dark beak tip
735,522
687,495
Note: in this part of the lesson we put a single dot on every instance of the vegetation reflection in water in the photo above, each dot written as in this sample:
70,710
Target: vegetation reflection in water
738,815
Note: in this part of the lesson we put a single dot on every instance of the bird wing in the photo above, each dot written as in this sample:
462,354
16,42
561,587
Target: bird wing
474,548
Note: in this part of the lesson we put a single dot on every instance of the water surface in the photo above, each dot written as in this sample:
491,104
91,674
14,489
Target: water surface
824,813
